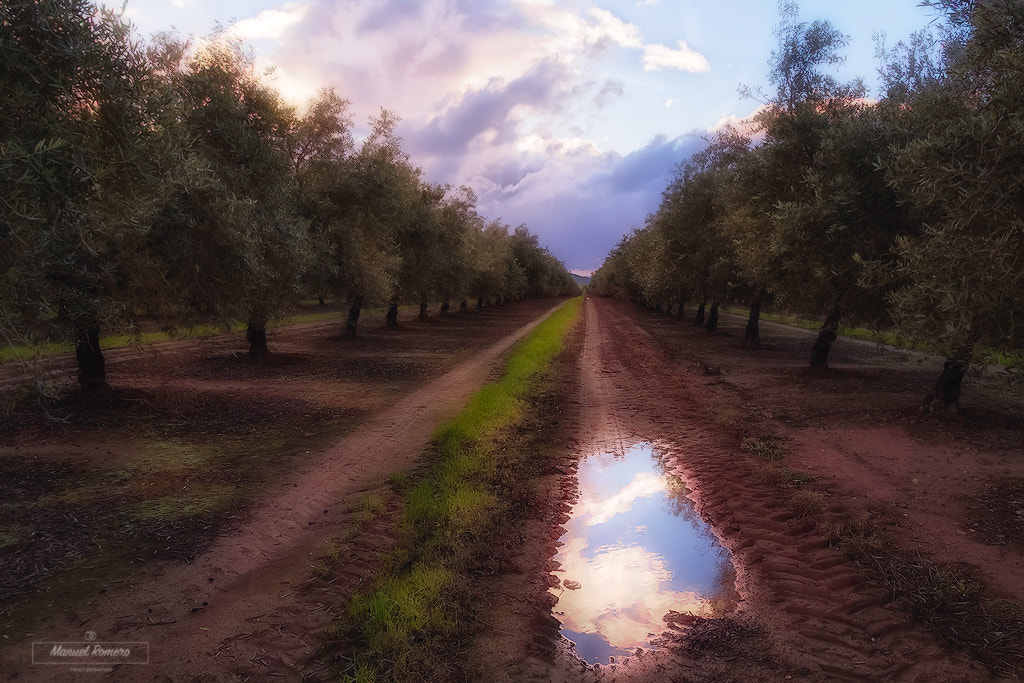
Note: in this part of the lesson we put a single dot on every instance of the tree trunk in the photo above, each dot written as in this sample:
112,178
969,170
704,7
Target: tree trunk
392,316
698,319
947,389
352,322
681,314
445,305
463,306
423,309
752,333
479,303
92,367
827,335
712,324
256,335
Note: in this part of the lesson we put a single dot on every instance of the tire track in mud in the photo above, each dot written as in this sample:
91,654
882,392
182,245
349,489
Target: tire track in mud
818,617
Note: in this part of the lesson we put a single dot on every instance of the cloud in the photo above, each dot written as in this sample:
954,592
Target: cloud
684,58
624,592
609,27
502,97
495,108
569,32
592,510
746,125
271,23
638,170
577,34
578,198
411,58
385,15
611,91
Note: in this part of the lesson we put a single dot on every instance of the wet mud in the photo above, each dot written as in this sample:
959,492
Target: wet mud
806,611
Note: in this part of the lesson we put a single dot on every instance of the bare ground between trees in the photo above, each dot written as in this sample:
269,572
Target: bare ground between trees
843,508
778,456
103,530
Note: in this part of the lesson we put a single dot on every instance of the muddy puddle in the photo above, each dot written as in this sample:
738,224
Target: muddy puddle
635,557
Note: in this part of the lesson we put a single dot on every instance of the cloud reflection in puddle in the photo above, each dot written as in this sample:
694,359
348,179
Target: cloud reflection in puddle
638,550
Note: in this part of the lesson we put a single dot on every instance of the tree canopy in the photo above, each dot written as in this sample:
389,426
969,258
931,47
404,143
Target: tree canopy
902,212
169,181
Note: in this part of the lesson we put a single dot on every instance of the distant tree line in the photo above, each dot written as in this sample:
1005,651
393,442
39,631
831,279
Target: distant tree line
904,212
168,181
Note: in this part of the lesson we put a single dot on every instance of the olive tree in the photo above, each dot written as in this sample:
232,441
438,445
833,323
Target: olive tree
629,271
690,222
494,272
544,274
418,237
354,201
799,124
234,244
81,162
460,222
320,142
963,284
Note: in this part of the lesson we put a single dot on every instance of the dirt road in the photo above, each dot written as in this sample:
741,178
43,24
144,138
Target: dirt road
808,612
778,458
207,619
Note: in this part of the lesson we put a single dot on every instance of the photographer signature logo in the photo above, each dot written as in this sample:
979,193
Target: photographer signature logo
90,651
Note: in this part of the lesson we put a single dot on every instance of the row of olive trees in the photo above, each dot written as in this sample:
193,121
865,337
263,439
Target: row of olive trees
167,181
904,212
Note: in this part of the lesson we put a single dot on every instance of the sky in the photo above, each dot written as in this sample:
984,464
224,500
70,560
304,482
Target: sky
567,116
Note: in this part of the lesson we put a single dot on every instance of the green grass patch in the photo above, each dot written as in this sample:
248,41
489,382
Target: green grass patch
30,352
417,617
792,321
337,315
1013,360
27,352
373,506
192,501
398,613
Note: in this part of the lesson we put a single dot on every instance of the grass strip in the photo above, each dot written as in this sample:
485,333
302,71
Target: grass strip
418,616
27,352
899,341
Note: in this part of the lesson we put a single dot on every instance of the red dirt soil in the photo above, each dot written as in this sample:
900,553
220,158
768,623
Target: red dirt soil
241,608
809,611
250,608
